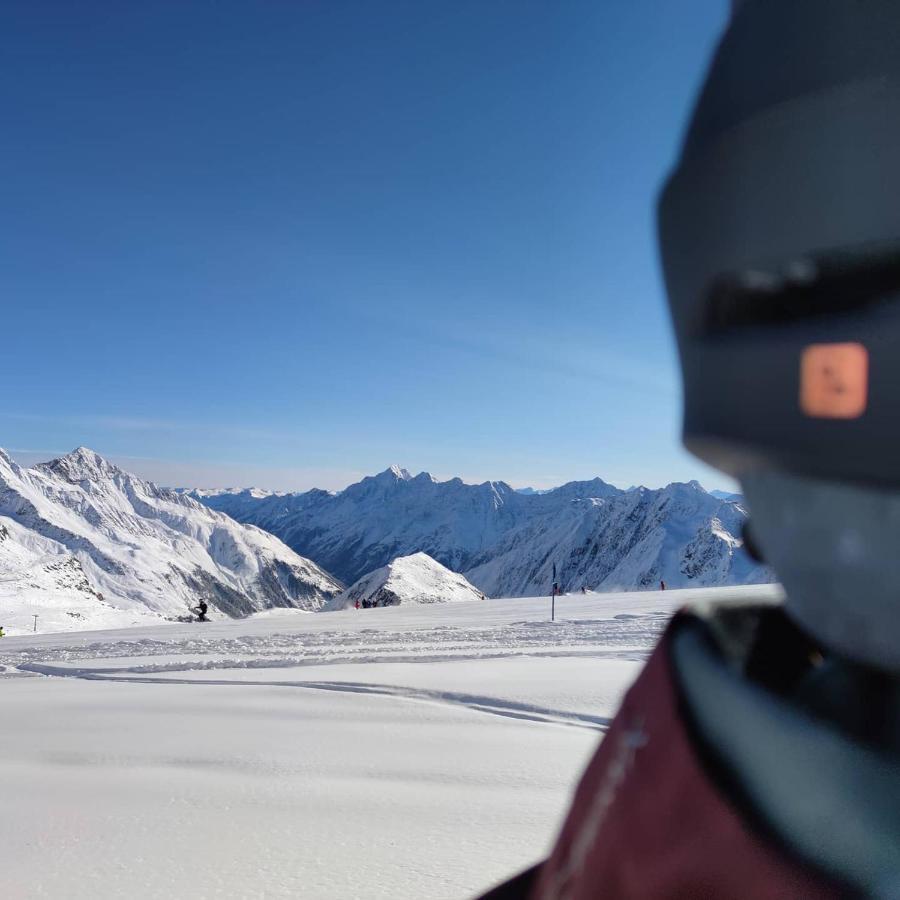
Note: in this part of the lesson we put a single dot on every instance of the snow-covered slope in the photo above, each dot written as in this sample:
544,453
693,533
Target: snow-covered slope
382,517
408,579
625,541
37,580
506,541
82,537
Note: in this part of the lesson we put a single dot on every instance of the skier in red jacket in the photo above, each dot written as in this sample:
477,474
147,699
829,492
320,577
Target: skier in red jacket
758,754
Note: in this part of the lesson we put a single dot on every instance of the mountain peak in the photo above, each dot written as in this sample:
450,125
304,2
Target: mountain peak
139,546
394,473
84,454
80,465
415,578
596,487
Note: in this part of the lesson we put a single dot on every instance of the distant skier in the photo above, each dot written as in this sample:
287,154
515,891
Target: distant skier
662,585
2,632
201,609
356,604
583,589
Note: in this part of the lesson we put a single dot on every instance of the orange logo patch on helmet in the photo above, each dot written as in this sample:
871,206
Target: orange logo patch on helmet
834,381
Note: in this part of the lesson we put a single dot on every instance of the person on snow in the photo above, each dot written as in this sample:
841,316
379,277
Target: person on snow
758,753
662,585
2,632
201,609
356,603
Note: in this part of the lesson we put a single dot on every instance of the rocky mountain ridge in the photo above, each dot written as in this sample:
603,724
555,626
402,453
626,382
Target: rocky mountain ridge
81,527
506,542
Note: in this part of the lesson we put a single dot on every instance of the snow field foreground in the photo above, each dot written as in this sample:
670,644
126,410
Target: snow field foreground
421,751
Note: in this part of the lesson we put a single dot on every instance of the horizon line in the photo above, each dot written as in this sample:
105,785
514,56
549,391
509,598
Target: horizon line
29,458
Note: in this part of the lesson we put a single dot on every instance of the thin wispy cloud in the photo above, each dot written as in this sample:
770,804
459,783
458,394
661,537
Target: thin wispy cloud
102,421
478,292
603,367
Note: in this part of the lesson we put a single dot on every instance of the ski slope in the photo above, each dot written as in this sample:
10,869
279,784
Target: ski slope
410,751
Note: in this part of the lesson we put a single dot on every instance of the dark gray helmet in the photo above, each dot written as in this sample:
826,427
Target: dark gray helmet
780,237
780,241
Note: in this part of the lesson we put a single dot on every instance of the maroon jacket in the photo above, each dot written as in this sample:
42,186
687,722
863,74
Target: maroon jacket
648,822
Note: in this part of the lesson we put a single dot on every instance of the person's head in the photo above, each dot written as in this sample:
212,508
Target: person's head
780,239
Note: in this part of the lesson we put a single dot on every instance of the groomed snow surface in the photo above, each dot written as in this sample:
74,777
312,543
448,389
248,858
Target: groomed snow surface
410,751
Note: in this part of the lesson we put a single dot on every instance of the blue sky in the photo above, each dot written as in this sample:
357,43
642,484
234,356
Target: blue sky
289,243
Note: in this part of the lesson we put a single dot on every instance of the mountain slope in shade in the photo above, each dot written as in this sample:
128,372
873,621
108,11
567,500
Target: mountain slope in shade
627,541
382,517
505,541
82,528
408,579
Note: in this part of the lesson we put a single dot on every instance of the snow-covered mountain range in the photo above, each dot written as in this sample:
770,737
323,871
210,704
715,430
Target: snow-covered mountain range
408,579
505,541
81,538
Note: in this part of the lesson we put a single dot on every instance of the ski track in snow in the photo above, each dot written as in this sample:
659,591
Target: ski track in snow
525,711
491,630
413,751
623,637
444,642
